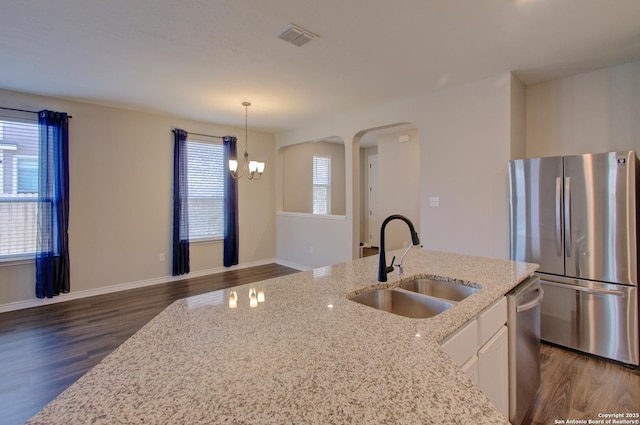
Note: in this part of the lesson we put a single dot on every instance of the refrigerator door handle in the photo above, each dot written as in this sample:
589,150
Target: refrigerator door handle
559,215
586,290
567,216
531,304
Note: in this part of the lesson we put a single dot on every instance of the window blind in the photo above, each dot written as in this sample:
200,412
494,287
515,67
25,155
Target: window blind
205,178
18,187
321,184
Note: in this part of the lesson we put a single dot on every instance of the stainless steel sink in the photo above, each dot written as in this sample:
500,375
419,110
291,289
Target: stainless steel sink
406,304
439,288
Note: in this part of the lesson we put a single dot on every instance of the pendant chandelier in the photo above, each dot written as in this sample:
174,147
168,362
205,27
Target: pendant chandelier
252,169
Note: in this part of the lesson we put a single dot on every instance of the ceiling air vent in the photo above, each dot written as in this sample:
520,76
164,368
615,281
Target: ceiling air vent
296,35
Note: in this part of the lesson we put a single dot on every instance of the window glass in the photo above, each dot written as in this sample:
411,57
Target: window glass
321,185
206,190
18,187
26,174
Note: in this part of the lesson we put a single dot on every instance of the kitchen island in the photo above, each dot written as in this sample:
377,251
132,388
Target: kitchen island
306,354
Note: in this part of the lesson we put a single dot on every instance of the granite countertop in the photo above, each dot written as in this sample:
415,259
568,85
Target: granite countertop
306,354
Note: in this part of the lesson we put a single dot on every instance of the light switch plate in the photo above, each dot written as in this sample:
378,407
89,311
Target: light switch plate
434,201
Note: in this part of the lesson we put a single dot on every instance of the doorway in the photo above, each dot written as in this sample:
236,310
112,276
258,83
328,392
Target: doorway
374,216
389,183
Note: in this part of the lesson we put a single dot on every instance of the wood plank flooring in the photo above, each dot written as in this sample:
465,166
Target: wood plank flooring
44,350
577,386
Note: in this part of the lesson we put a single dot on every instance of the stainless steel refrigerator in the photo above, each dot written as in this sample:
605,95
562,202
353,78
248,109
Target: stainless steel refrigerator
576,216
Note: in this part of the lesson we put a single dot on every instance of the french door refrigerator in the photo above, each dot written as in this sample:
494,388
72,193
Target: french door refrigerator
576,216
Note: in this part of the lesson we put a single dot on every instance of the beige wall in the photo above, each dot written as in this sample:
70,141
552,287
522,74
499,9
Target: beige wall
593,112
465,145
465,149
399,185
467,135
298,176
121,198
518,119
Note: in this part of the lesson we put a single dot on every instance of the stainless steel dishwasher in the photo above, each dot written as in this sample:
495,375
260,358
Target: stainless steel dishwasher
523,304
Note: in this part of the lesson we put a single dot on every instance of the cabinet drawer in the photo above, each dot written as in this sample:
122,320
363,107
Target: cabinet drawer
491,320
463,343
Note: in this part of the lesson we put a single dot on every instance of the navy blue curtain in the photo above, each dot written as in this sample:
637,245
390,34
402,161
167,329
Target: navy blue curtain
180,204
231,234
52,241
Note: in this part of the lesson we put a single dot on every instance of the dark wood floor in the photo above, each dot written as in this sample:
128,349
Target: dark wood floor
46,349
368,251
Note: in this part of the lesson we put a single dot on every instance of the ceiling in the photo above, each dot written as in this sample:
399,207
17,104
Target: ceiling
200,59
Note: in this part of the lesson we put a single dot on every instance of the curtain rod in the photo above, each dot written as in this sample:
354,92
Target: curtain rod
24,110
205,135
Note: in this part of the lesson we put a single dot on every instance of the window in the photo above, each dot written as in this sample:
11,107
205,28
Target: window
321,185
18,187
205,163
25,174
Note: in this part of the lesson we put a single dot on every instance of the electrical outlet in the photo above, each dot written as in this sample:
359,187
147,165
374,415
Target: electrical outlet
434,201
161,257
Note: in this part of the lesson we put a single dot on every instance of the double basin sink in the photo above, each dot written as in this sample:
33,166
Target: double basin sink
416,298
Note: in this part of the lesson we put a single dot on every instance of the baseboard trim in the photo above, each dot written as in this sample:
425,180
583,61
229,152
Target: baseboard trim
293,265
36,302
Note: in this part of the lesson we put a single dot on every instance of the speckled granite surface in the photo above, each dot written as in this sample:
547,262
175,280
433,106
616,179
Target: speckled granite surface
306,355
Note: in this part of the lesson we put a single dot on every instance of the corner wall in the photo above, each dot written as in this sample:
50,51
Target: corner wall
593,112
464,151
121,165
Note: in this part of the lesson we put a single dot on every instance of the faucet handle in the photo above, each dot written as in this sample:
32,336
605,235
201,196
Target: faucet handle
389,269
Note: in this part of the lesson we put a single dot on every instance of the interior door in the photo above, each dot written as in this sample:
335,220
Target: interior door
536,212
374,219
600,212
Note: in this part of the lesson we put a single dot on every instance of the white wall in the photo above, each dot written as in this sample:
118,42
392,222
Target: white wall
308,241
364,192
121,165
464,150
593,112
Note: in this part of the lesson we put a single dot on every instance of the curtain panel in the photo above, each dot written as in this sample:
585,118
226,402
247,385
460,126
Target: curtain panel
52,240
231,231
180,204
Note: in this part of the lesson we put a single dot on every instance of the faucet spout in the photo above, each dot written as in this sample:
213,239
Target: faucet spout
383,269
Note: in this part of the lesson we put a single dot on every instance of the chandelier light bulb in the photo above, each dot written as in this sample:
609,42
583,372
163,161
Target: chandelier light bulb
252,169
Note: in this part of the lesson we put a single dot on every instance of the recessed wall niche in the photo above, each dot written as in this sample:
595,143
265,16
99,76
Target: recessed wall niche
298,176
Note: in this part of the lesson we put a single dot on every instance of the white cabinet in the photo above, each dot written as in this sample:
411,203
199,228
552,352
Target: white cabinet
470,368
491,319
493,370
461,345
480,348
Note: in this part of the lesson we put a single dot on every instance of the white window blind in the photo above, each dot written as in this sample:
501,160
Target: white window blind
18,187
206,190
321,185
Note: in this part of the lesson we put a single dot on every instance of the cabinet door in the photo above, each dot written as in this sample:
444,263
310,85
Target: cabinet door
463,343
470,368
493,370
